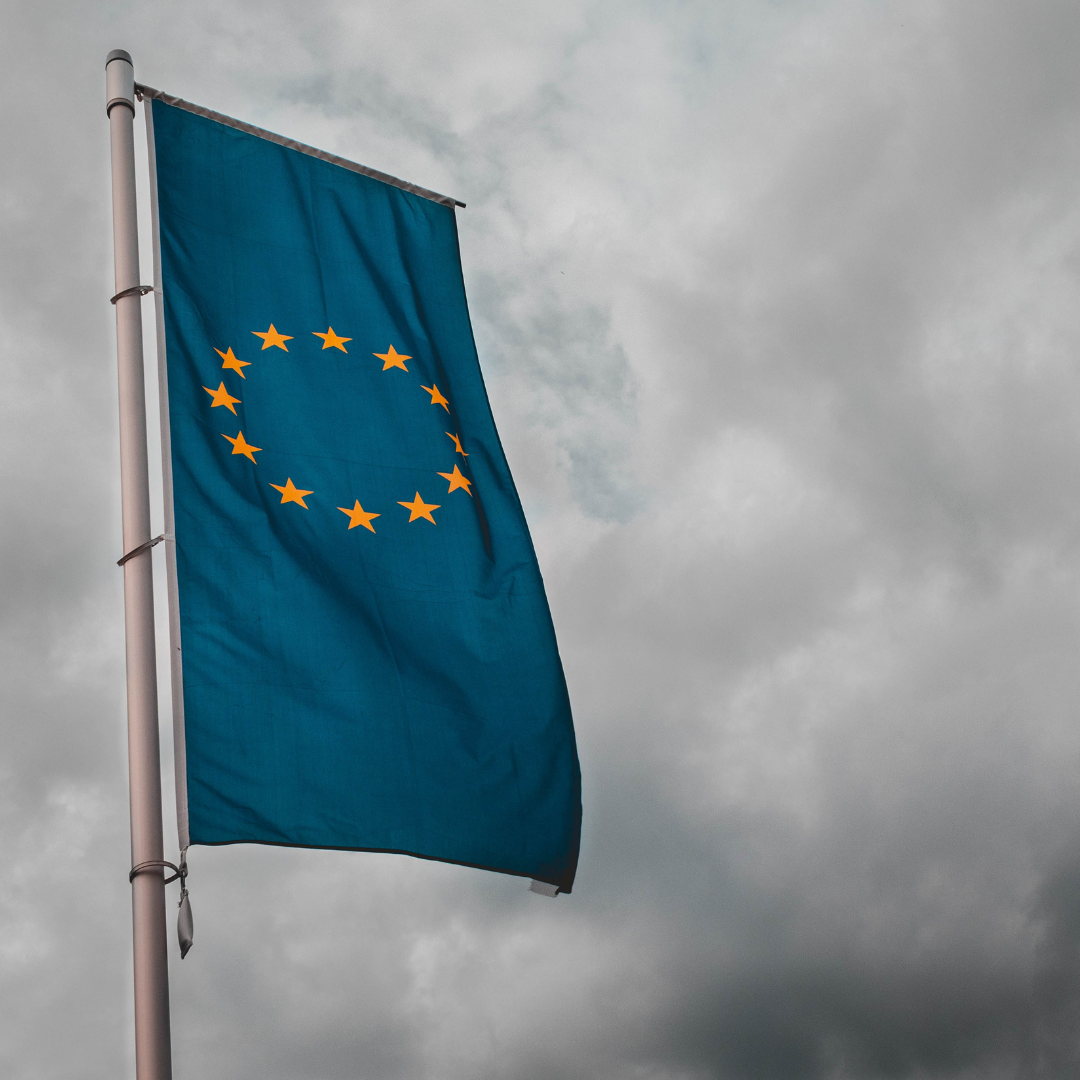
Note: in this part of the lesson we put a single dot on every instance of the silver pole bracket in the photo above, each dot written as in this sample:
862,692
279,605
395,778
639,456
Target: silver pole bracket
185,927
135,290
178,871
138,551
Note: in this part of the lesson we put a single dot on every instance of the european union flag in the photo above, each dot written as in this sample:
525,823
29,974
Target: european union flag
366,655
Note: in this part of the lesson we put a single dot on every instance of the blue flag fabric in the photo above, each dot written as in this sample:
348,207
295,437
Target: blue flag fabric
368,659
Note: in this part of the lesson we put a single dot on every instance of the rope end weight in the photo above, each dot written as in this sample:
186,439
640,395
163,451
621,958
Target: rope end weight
185,927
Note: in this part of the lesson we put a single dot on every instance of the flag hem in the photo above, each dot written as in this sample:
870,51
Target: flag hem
176,668
564,885
303,148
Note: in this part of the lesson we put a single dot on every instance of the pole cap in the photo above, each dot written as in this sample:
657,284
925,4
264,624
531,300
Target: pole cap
119,82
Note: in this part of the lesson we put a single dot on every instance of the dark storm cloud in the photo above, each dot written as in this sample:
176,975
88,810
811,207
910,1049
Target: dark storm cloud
777,308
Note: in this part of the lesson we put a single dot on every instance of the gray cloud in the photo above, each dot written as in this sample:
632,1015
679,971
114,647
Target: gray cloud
776,305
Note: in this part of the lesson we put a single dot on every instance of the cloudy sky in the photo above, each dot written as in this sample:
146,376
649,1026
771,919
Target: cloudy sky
777,305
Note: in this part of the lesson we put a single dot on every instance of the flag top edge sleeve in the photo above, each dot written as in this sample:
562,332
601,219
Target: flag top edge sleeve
303,148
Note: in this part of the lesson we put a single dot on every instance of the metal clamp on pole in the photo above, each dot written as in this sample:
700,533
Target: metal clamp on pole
185,929
140,549
151,863
135,290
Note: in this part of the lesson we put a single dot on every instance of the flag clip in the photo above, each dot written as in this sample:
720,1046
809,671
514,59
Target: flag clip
135,290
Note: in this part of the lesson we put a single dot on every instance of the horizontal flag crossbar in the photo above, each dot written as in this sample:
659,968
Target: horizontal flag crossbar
303,148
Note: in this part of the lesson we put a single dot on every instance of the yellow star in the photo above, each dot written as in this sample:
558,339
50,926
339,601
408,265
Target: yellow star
457,481
289,493
332,341
436,396
457,443
359,516
419,509
232,363
241,446
222,396
392,359
272,337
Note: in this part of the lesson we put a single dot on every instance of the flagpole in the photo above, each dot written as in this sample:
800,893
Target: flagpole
153,1051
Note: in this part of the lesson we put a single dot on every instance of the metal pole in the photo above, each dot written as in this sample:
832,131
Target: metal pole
153,1050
